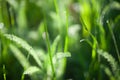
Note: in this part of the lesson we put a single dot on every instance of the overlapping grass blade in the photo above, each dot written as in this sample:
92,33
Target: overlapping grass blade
25,46
20,57
94,46
55,43
110,59
49,50
32,73
114,40
61,55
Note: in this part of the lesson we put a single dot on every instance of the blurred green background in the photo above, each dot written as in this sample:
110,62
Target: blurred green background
81,36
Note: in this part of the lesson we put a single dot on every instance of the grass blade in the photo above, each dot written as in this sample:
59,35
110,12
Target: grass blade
4,72
32,73
25,46
55,43
66,37
94,46
20,57
49,50
114,40
110,59
61,55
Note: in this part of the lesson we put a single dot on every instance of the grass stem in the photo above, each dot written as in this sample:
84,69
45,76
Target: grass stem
4,72
66,38
49,49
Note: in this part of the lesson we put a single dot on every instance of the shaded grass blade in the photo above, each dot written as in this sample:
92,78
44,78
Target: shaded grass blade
113,63
114,40
4,72
20,57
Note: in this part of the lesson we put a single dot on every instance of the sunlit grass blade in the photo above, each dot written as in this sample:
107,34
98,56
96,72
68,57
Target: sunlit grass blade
25,46
113,63
33,73
66,37
31,70
95,43
61,55
55,43
56,7
64,55
21,17
30,73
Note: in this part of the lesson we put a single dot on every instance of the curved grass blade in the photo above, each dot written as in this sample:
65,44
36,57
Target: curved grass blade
25,46
32,73
108,72
94,46
55,43
110,59
61,55
31,70
20,57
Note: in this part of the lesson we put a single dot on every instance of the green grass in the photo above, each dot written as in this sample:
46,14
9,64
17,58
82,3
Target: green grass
59,39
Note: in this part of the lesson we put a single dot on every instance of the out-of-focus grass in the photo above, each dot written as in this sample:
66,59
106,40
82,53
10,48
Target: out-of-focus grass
76,27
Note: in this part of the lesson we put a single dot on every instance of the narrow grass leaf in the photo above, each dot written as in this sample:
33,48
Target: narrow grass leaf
55,43
110,59
31,70
88,41
108,72
4,72
33,73
66,37
25,46
49,50
20,57
56,7
61,55
114,40
94,46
